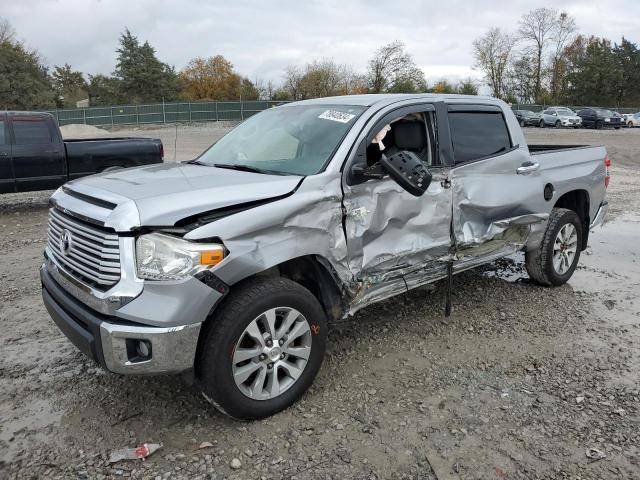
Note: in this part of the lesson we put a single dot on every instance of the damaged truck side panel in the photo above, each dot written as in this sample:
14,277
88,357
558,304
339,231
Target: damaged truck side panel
231,264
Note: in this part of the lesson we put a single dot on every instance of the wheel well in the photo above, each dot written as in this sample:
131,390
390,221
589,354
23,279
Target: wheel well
310,272
578,201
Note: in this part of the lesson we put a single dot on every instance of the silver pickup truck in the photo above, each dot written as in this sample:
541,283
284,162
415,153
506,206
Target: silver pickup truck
230,267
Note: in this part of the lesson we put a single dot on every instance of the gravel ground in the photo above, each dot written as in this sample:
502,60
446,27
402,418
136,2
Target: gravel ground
521,382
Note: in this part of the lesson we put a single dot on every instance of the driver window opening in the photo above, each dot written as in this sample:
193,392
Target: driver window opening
413,132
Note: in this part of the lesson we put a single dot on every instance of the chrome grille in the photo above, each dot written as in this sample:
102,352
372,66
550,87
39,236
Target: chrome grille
84,251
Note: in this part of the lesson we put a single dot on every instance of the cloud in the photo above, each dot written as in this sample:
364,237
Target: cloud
262,38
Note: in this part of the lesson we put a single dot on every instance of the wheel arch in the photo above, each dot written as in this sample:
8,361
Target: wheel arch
313,272
579,202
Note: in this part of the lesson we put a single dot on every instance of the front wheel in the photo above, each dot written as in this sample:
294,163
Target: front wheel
262,348
542,124
522,123
558,124
555,260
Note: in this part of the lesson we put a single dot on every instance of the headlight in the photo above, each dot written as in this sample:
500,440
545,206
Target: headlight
163,257
607,119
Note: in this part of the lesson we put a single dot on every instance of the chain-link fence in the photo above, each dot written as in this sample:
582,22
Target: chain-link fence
162,113
575,108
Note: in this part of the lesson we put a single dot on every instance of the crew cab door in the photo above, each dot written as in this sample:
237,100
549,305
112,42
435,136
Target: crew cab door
7,179
498,189
38,153
395,240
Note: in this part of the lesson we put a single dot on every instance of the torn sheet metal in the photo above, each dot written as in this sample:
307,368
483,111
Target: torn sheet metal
392,235
494,206
306,223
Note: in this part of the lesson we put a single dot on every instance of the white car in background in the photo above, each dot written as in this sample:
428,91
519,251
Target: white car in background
631,119
560,117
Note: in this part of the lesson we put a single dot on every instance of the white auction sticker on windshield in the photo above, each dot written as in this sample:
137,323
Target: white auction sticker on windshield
336,116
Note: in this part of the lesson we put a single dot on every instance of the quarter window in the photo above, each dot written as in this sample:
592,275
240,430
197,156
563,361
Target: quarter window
3,135
32,131
478,134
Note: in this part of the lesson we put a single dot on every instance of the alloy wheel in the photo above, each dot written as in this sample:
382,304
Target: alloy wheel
271,353
565,247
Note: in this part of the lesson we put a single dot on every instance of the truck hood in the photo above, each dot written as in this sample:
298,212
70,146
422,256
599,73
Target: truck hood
166,193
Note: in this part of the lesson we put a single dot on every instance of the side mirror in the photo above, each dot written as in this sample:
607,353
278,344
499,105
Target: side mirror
408,171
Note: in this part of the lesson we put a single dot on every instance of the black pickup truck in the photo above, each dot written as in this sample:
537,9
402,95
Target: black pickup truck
33,155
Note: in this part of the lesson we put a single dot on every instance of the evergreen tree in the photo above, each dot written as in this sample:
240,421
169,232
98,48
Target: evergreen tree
24,82
627,55
69,86
597,76
144,78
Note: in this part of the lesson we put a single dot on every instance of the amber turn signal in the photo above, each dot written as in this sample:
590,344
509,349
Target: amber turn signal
211,257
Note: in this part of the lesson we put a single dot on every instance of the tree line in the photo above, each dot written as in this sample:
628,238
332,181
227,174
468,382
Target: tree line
546,60
141,77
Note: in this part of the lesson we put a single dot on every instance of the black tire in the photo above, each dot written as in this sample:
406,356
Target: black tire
542,124
522,123
246,301
539,262
630,124
558,124
599,125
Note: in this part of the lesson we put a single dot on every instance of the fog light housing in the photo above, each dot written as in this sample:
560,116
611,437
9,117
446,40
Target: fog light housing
138,350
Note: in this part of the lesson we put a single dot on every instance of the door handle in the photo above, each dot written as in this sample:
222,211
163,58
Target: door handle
527,168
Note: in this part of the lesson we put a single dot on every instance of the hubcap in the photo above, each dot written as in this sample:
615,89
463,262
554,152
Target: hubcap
565,247
271,353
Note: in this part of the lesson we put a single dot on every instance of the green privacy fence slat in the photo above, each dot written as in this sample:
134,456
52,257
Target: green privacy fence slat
162,113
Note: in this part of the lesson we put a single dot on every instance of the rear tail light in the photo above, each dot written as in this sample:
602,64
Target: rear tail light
607,175
161,152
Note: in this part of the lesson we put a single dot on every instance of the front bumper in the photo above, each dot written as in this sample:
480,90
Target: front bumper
113,342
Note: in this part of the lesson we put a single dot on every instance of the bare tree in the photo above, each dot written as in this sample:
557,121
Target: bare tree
538,27
563,34
492,52
7,33
292,82
391,65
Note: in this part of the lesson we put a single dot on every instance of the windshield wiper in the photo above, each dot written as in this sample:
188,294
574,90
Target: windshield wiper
247,168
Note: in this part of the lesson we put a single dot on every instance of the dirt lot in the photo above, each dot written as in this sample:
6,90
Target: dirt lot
519,383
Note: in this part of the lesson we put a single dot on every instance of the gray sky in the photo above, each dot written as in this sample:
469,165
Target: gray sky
262,37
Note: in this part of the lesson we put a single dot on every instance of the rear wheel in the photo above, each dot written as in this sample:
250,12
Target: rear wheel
555,260
262,349
522,123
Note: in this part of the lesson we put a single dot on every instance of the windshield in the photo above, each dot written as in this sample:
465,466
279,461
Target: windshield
296,140
565,111
605,113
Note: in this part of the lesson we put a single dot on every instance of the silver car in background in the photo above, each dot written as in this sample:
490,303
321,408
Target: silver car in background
560,117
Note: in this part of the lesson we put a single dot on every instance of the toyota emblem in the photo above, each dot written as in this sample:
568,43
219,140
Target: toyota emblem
65,242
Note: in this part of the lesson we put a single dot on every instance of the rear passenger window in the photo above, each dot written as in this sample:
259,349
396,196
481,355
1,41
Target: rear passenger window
478,134
32,131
